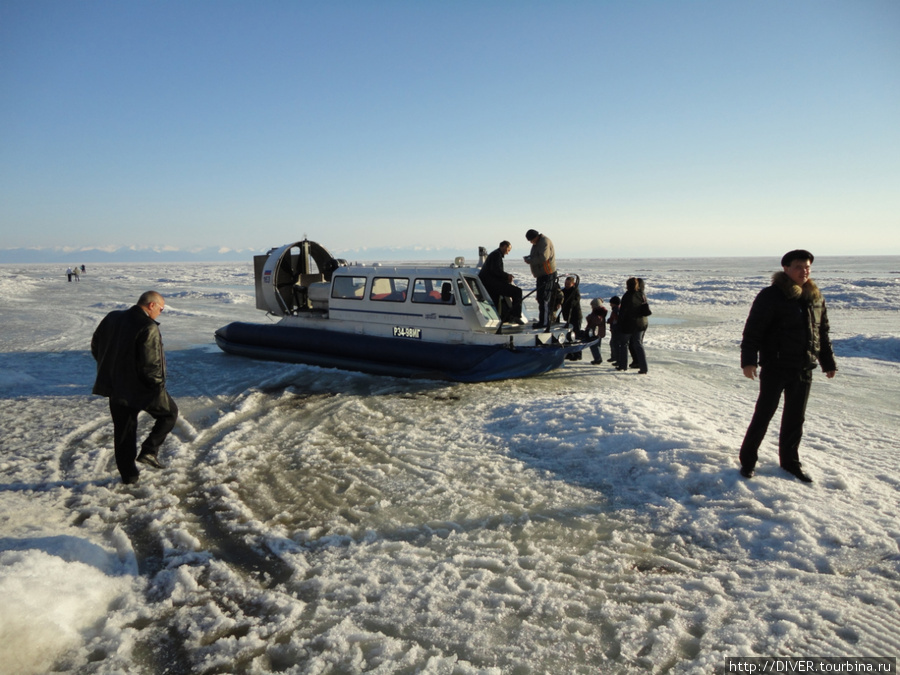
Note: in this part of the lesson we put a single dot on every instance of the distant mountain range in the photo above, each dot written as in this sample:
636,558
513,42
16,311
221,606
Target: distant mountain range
124,254
70,256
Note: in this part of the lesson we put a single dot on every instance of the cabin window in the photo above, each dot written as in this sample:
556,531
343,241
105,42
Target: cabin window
389,289
438,291
349,288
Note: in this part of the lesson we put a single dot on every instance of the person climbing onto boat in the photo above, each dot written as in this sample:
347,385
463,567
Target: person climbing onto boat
542,261
499,285
571,305
571,310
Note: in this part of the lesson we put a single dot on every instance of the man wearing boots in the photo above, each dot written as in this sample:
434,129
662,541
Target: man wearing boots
786,336
131,373
542,261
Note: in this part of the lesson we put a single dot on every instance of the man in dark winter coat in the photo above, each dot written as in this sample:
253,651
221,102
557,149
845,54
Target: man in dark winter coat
499,284
786,334
131,372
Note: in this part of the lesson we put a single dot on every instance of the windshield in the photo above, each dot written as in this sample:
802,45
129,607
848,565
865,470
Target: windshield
469,288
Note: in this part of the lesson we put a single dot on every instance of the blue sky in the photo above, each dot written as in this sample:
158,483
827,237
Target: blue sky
619,129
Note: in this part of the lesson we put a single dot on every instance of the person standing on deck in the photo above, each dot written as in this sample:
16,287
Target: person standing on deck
542,261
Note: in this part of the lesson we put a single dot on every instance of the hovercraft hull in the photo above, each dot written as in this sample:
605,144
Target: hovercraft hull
390,356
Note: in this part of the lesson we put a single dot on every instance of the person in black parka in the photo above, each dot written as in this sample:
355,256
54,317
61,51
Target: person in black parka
571,304
131,373
632,326
596,328
786,335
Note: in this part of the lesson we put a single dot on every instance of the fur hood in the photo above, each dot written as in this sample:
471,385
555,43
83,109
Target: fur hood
809,292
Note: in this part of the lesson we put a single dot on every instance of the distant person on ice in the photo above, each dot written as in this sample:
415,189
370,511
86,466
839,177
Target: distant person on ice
786,334
131,372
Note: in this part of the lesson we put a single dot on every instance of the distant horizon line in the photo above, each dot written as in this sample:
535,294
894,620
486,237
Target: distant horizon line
129,254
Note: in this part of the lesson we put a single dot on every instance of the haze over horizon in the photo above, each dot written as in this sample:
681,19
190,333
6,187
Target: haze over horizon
69,257
620,130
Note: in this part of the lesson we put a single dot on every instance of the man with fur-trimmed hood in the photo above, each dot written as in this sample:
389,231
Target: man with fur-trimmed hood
786,334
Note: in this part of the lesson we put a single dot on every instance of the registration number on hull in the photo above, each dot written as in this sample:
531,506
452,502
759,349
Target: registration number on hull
406,332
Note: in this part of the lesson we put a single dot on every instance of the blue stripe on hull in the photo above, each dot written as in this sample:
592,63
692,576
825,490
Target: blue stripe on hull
388,356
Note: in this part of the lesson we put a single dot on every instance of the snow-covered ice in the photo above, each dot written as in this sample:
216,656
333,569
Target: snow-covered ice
320,521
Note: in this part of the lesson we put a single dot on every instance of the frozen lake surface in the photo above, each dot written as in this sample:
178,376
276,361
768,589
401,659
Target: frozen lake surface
321,521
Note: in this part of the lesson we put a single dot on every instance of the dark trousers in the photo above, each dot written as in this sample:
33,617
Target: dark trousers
620,342
125,423
773,382
545,287
509,312
636,348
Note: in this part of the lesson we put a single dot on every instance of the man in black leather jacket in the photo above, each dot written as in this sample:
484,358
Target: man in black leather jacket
787,335
131,372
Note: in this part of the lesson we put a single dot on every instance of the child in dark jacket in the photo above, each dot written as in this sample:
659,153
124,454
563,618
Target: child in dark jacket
596,327
614,330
